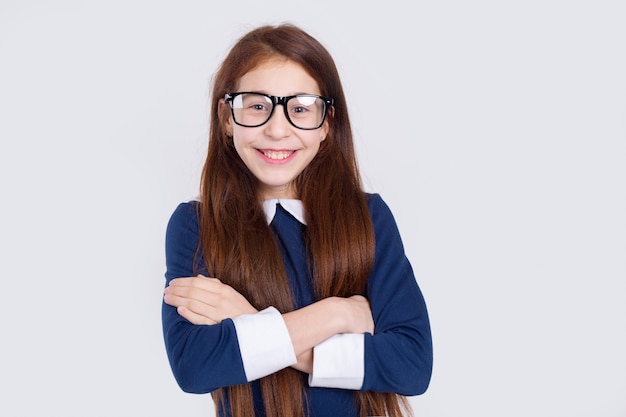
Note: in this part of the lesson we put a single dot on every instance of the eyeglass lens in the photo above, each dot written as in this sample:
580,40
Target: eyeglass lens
253,109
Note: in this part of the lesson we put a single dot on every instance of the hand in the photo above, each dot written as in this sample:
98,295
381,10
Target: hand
359,319
313,324
203,300
305,362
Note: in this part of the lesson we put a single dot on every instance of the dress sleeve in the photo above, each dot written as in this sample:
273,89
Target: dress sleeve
399,356
203,358
264,343
338,362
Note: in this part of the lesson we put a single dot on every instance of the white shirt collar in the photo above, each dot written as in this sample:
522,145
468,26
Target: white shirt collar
293,206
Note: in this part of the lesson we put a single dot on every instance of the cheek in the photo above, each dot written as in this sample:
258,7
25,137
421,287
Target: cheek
240,146
242,139
314,138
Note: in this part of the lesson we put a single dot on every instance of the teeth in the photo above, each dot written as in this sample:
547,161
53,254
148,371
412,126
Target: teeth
277,154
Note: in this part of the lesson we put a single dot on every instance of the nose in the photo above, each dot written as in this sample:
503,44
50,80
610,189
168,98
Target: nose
278,125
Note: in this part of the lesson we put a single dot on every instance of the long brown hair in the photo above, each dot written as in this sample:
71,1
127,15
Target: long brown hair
237,243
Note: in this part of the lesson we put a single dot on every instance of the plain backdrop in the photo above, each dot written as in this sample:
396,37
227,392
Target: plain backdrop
495,130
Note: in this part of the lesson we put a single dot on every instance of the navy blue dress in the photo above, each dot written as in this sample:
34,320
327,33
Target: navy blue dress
397,358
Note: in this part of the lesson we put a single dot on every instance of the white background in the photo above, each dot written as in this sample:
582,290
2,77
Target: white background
495,130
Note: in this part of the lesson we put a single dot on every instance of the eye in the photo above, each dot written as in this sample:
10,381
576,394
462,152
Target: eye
257,103
299,109
258,106
254,103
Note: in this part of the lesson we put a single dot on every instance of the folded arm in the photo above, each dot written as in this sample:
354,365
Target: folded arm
207,301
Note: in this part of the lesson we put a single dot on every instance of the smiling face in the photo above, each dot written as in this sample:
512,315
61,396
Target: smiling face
277,152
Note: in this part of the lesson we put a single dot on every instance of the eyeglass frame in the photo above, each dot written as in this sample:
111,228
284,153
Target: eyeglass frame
276,100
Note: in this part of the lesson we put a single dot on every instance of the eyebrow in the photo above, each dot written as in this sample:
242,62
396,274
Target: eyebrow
276,95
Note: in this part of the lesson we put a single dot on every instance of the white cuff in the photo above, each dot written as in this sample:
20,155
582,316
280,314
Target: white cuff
264,343
339,362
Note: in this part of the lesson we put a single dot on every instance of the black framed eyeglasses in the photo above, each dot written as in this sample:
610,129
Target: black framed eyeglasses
304,111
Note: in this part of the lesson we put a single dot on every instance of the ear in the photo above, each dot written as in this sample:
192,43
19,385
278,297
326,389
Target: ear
225,117
326,126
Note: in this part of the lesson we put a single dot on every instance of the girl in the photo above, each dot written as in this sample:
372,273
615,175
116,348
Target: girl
288,291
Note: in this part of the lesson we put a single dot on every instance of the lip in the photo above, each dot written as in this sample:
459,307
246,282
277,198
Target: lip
277,156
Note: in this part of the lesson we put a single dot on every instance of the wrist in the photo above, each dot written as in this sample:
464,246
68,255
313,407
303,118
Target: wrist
339,314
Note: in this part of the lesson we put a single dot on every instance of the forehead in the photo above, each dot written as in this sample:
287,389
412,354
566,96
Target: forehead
278,77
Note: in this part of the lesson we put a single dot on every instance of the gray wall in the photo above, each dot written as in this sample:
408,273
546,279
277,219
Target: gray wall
496,131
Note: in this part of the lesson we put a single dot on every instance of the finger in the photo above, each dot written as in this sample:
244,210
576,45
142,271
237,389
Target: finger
200,281
206,283
191,293
194,310
186,297
193,317
173,300
186,281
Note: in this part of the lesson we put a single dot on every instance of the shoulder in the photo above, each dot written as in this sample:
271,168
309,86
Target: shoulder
378,207
374,200
184,221
384,222
185,211
181,241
